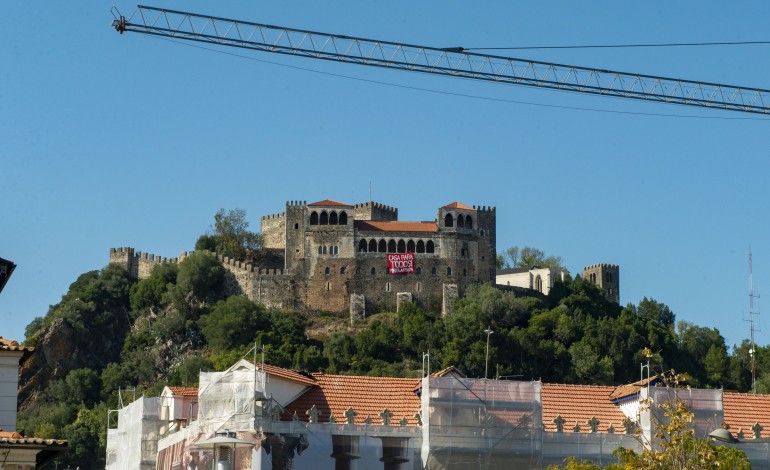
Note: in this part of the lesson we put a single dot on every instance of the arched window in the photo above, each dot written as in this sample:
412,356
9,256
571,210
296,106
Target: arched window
362,246
468,222
336,250
327,270
539,284
460,221
449,221
296,226
420,246
342,270
382,247
448,271
429,247
433,271
410,246
343,218
392,246
324,218
482,233
401,246
373,246
333,218
320,250
418,271
324,249
314,218
374,270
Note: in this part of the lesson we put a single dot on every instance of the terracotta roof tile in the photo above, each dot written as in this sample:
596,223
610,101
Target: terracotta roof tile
580,403
742,410
368,396
11,345
446,371
632,389
12,437
184,391
458,205
329,202
375,226
288,374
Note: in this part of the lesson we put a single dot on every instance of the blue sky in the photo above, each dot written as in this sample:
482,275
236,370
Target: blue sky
110,140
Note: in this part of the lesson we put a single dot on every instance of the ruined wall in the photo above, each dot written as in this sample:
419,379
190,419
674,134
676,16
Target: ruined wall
273,230
375,211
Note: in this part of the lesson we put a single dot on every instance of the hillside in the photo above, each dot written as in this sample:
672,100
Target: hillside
109,332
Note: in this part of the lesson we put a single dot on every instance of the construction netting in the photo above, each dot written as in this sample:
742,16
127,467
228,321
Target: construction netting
479,423
133,444
226,399
705,404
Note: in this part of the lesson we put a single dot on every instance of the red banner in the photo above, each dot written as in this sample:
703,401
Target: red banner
401,263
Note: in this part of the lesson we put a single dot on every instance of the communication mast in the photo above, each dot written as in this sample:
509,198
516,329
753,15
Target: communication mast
752,347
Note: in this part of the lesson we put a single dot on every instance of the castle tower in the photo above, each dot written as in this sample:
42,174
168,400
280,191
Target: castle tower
606,277
296,226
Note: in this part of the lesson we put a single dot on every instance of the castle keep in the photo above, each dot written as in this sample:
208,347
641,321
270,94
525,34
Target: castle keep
335,257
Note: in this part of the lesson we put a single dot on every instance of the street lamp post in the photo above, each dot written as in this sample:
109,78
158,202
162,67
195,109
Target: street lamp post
489,332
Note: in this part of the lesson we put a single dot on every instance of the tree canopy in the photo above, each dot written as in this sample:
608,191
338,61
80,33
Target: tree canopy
230,236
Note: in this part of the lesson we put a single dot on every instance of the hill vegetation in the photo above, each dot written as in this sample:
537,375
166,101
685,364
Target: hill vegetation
109,332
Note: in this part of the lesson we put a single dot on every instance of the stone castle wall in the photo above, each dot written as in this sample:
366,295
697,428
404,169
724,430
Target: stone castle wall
323,268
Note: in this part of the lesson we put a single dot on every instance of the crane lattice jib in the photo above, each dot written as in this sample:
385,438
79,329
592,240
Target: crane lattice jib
452,61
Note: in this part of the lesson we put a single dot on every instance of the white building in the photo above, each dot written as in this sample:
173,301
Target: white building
538,279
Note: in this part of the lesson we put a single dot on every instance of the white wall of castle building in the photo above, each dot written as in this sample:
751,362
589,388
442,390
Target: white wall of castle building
528,279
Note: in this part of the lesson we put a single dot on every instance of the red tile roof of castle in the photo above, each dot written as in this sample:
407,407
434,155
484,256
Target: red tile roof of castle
742,410
329,202
288,374
368,396
375,226
184,391
10,345
458,205
580,403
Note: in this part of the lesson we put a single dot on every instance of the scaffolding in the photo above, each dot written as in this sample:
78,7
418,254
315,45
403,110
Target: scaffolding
133,442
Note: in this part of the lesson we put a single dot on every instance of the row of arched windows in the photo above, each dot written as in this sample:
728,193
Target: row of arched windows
393,246
332,250
462,221
328,218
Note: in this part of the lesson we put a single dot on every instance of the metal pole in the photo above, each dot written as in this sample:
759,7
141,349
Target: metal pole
488,331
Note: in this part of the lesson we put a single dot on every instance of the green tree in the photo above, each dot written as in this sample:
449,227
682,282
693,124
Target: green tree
230,236
233,322
528,257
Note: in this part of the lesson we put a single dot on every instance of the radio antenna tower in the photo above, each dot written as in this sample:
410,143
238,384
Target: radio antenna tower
752,347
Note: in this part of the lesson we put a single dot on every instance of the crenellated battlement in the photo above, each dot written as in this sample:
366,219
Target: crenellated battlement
602,265
485,208
296,203
278,215
375,205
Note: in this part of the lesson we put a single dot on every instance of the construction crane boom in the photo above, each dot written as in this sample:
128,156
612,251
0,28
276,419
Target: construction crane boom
450,61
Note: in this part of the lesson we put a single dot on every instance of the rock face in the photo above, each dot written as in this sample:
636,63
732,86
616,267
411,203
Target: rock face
60,350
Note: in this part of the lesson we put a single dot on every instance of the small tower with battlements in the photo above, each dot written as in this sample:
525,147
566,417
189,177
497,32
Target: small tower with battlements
606,277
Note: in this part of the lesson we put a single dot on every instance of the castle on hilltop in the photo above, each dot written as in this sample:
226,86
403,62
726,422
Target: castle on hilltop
359,258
